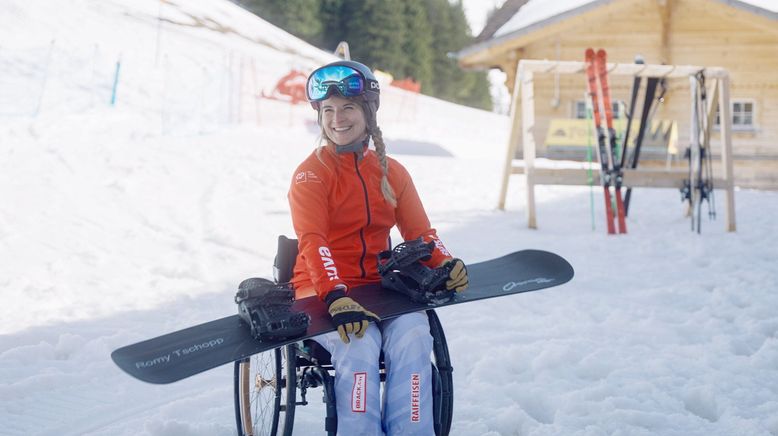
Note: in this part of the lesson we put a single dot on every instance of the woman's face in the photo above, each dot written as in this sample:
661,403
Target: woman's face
343,120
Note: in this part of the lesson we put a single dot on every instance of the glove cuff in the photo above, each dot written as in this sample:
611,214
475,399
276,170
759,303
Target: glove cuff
333,295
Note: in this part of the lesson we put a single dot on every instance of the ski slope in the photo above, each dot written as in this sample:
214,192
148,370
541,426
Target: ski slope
121,222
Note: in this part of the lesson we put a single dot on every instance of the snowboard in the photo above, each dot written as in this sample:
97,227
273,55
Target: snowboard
183,353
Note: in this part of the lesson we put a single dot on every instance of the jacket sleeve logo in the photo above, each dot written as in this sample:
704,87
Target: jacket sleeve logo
328,263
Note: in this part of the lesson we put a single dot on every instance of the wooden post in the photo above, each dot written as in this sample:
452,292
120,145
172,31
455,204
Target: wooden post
528,140
513,140
726,152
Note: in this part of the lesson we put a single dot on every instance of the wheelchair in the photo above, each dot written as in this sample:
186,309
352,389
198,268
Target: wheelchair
270,385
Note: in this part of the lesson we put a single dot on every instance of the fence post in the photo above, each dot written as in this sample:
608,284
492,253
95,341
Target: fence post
45,79
116,80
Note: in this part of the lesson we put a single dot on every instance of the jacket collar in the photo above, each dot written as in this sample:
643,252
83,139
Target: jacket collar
358,148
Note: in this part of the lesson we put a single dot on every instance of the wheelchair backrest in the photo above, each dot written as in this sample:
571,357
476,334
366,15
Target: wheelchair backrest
283,264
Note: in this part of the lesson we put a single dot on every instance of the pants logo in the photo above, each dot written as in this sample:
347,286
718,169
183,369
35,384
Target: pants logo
358,392
415,398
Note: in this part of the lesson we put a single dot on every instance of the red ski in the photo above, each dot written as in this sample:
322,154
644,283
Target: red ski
602,146
615,161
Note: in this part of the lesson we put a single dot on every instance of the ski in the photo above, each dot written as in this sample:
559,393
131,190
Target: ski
603,155
636,82
699,186
180,354
615,161
645,119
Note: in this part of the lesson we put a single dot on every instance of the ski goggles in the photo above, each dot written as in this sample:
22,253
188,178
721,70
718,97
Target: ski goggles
347,81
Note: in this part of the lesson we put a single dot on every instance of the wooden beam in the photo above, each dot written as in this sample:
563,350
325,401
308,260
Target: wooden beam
665,14
637,178
726,152
631,69
528,140
513,139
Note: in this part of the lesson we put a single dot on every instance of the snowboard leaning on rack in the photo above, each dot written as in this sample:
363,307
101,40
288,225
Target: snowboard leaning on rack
186,352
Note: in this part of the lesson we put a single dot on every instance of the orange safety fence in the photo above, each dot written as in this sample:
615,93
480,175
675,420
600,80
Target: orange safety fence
407,84
289,88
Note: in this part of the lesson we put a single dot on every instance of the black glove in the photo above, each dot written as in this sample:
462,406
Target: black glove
457,277
347,315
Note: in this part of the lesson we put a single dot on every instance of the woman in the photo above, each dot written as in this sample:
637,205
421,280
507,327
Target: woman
344,199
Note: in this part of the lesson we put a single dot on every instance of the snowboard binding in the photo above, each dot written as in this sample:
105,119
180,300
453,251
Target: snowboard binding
266,307
402,271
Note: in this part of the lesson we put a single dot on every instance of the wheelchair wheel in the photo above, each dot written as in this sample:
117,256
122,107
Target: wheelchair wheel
442,377
265,393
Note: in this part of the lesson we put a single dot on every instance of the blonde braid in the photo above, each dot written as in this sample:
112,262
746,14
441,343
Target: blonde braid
380,149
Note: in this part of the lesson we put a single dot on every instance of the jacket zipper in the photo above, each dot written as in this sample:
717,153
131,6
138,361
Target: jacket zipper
367,209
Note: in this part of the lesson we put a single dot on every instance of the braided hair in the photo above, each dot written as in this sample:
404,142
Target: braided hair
380,150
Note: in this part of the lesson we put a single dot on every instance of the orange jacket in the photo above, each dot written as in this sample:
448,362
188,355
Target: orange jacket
342,220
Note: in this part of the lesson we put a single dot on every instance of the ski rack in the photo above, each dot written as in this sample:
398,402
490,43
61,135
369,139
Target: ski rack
523,123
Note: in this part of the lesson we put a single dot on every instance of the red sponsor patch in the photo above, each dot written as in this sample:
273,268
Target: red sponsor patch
358,392
415,398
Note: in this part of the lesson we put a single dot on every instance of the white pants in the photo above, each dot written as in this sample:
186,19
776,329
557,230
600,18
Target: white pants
407,401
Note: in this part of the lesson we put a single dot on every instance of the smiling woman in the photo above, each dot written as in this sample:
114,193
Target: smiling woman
345,198
343,121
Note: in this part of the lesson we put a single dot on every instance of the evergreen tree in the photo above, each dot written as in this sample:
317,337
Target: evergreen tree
302,19
418,43
440,24
266,9
470,87
334,15
376,33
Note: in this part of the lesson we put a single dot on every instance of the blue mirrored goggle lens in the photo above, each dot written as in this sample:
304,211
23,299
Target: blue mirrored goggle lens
348,81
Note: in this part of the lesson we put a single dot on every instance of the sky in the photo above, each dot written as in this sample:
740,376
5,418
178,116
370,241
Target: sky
476,12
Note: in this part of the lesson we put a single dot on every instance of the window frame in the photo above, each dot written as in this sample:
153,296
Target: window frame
740,127
618,107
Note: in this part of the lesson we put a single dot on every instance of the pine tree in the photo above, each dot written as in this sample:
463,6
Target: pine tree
334,15
418,43
440,24
376,32
302,19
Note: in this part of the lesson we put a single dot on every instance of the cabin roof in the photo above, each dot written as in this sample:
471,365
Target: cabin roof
517,18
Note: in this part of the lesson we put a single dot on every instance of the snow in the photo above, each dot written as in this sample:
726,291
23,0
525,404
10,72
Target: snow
535,11
769,5
119,223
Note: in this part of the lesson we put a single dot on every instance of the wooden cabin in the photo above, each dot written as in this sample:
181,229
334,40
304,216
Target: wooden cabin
738,35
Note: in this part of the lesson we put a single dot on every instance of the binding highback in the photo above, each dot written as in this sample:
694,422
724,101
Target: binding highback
286,256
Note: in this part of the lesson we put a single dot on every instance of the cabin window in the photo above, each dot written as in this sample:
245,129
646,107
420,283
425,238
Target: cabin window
579,110
742,115
618,109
